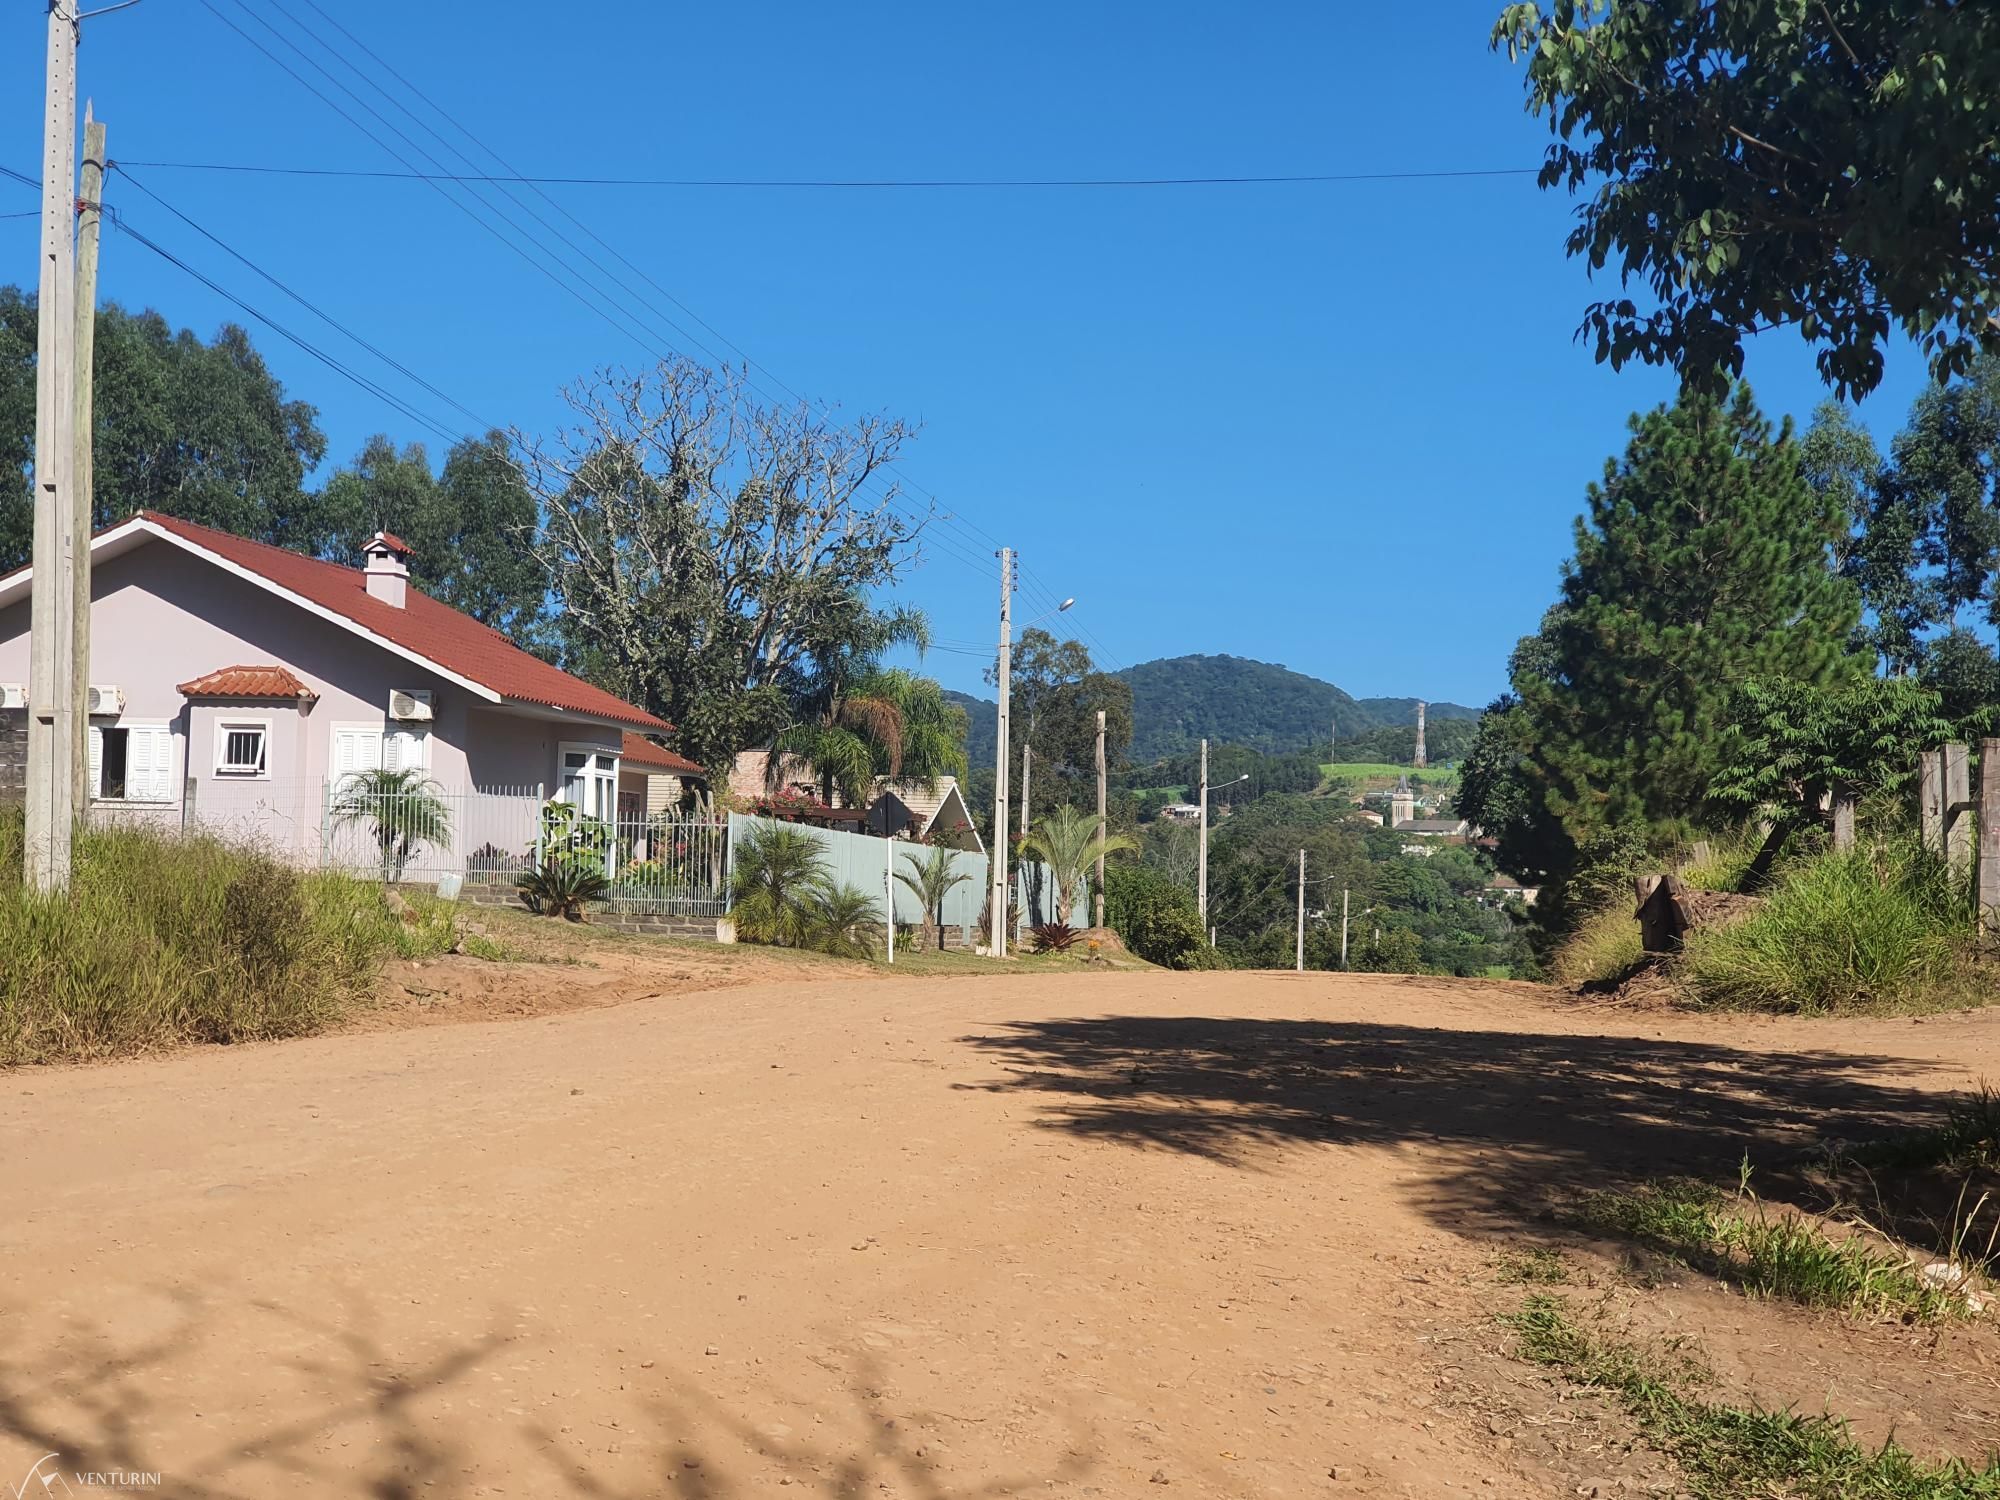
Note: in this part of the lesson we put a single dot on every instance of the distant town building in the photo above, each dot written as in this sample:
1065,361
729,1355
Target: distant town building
1181,812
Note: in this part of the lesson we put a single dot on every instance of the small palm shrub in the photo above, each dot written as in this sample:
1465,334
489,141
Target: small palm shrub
932,879
563,888
1069,843
780,875
841,920
404,810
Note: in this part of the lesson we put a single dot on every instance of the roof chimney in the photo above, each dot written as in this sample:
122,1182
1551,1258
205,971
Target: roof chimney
388,571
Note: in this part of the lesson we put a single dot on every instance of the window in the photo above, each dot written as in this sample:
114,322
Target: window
370,747
242,747
132,762
590,781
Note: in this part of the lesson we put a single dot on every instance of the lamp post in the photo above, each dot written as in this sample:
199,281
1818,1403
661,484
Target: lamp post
996,896
1201,881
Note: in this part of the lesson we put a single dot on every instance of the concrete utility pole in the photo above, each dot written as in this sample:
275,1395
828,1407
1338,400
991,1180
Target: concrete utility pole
1958,811
1027,770
1988,879
1419,758
90,215
1201,877
51,808
1343,929
889,894
1299,944
996,898
1098,892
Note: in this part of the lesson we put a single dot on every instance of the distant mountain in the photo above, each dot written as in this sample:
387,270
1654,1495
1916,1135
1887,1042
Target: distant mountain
1180,700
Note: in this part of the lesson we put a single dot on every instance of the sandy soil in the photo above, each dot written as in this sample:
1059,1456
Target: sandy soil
1109,1234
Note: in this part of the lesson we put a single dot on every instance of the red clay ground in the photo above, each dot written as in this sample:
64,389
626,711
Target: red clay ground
833,1235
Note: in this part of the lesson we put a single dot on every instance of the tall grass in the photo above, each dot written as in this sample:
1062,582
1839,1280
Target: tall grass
1877,927
1604,948
165,939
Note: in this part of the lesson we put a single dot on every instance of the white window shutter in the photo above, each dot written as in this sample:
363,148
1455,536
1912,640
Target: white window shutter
356,750
406,750
149,763
96,761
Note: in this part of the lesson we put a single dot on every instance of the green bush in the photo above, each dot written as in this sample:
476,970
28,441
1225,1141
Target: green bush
165,939
1878,927
1156,918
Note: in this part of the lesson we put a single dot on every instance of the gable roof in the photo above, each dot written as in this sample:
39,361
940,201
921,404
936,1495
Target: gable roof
431,634
638,753
247,682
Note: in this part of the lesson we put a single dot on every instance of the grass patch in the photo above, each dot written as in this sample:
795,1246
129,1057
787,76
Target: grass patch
1880,928
1604,949
1786,1255
1535,1266
1731,1452
1968,1140
165,939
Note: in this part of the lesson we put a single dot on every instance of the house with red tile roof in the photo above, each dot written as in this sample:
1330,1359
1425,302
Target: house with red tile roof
240,680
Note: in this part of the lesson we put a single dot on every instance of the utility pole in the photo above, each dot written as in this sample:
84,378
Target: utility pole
1343,928
1201,877
889,894
90,214
996,898
51,809
1299,944
1027,767
1099,891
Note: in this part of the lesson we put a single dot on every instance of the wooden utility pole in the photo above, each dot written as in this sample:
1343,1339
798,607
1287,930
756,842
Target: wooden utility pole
1989,840
1958,812
51,808
1930,800
1299,943
996,897
90,215
1201,876
1098,892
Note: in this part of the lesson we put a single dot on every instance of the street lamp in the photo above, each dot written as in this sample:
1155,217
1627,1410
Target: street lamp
996,896
1201,891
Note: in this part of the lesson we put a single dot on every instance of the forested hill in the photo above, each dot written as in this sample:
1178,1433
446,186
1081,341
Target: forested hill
1180,700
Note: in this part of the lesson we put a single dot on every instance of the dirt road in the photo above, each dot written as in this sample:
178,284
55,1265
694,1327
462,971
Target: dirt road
835,1237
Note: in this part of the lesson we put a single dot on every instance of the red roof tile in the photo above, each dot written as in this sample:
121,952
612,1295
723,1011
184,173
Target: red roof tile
247,682
641,753
436,632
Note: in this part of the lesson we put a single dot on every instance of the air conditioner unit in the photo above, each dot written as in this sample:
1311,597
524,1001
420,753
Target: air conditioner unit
410,705
107,700
13,695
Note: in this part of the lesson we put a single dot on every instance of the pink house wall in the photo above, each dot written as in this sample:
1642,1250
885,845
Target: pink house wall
160,617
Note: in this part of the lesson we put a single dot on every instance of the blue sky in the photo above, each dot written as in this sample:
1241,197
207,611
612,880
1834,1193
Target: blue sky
1340,426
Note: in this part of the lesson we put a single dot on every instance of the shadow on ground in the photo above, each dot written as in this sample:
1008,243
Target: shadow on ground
1508,1121
335,1402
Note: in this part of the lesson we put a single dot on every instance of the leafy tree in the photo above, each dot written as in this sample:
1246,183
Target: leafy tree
1703,562
1794,746
1156,916
1056,692
1929,550
708,552
1070,843
1828,164
469,530
199,430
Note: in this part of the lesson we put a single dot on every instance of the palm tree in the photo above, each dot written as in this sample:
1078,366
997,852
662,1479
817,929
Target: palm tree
1069,842
840,916
780,877
889,721
405,809
930,880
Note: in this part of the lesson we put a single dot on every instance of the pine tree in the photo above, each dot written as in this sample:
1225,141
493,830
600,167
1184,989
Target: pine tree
1705,560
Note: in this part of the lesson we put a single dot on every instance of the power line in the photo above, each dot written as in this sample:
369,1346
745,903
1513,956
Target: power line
837,183
316,311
